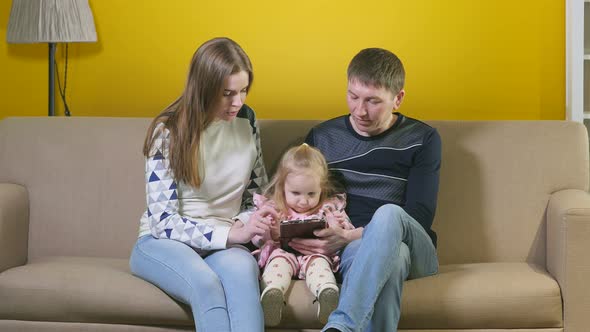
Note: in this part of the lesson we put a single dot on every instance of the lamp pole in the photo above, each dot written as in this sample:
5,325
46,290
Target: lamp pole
51,21
51,79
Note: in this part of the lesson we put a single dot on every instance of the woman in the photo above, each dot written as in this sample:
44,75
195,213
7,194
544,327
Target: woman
202,154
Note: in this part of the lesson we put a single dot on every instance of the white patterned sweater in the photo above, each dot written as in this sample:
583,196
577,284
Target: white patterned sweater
231,170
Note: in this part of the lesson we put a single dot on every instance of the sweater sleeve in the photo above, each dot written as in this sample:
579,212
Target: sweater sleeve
258,177
422,187
163,206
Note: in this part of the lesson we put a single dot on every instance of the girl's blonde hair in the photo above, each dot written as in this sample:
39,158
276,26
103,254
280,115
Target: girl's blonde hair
299,159
188,116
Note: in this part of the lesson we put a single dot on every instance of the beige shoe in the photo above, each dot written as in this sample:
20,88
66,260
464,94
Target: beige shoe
273,302
327,301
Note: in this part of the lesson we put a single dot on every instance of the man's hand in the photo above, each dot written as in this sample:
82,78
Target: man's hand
329,241
258,224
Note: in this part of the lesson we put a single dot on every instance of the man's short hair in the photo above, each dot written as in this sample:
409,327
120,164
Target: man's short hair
379,68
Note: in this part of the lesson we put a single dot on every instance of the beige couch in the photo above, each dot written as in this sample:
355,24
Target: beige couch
513,224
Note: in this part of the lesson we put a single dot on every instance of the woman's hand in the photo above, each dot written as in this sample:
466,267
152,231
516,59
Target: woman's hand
258,224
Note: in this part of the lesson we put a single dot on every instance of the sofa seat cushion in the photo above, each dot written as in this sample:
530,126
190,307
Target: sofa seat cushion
463,296
484,295
102,290
85,289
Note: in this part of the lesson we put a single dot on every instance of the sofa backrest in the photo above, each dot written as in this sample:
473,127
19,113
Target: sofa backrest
496,180
85,181
86,184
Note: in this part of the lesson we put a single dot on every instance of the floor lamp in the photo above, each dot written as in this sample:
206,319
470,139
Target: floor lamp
50,21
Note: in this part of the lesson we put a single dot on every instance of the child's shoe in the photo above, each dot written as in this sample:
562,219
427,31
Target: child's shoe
273,301
327,301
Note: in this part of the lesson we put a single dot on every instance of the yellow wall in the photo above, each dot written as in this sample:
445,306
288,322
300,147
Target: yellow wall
464,59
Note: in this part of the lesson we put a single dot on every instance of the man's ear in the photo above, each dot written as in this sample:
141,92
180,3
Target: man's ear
399,98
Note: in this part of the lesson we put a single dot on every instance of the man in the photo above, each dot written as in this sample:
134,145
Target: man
389,165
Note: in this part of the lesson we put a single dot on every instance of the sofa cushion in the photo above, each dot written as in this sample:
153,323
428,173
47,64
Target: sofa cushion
462,296
85,289
99,290
483,295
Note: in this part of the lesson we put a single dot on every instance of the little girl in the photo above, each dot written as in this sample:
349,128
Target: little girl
300,189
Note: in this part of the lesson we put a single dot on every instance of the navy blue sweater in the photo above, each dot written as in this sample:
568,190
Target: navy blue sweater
399,166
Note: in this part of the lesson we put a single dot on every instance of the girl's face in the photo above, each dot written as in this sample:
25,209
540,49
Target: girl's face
302,191
234,96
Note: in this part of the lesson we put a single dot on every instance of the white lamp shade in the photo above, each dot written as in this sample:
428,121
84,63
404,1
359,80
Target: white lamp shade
50,21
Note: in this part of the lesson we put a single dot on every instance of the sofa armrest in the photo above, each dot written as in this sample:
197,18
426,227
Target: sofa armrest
568,254
14,225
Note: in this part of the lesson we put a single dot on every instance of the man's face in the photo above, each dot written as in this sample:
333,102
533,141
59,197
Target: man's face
371,108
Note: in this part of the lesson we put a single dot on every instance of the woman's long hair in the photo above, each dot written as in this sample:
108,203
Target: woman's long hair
189,115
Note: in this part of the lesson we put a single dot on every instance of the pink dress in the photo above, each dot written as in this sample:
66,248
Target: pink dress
333,207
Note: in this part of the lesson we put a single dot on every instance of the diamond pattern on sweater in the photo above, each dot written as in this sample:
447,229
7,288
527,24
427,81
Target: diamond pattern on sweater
162,198
163,216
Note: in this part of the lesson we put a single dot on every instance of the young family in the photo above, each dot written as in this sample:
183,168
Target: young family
372,175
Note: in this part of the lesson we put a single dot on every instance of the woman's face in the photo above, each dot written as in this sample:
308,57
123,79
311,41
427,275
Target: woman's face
233,96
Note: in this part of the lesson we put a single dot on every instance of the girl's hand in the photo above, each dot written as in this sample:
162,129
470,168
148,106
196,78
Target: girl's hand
240,233
275,231
338,219
266,214
258,224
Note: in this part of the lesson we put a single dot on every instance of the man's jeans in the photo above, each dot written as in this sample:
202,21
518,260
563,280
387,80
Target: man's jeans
393,248
222,288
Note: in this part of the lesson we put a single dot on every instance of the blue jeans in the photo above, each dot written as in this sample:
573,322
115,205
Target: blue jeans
393,248
221,289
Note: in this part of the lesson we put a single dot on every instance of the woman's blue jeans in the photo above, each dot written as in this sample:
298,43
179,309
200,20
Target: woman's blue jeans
393,248
221,289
